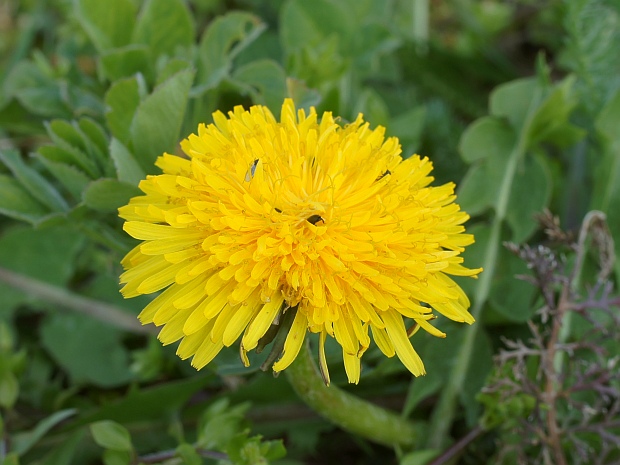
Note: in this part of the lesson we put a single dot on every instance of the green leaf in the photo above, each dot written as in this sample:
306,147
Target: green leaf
511,297
187,453
303,96
37,92
64,453
23,442
608,120
69,147
107,195
373,107
419,457
119,63
122,101
225,37
149,404
512,100
33,182
116,457
108,24
530,194
69,176
408,128
89,351
17,203
111,435
484,138
304,24
9,389
44,254
265,81
127,168
158,119
476,376
164,25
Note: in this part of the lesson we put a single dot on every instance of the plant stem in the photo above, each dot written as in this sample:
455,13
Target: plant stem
345,410
66,299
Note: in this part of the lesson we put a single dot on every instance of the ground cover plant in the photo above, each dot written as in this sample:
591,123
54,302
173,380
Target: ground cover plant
516,102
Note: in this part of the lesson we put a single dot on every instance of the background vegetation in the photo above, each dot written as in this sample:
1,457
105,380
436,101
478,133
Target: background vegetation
517,101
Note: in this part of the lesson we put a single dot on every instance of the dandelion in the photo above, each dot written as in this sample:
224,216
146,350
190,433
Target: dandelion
291,226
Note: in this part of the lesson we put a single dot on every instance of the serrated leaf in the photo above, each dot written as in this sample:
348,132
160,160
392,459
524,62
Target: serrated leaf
108,24
107,195
158,119
484,138
122,101
17,203
123,62
89,351
225,37
265,81
111,435
164,25
33,182
127,168
23,442
530,194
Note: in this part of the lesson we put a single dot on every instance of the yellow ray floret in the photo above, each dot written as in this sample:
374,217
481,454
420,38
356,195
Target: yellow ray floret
301,215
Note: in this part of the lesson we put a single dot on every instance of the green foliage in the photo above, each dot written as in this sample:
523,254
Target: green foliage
94,92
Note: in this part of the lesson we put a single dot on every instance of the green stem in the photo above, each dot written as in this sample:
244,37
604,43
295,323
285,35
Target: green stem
345,410
66,299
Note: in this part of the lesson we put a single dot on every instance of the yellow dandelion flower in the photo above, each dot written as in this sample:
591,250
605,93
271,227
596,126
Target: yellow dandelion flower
293,226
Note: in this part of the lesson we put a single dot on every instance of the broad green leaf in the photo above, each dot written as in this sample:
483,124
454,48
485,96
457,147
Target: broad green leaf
187,453
117,457
33,182
22,442
158,119
303,24
122,101
408,128
553,113
63,454
225,37
265,81
480,187
476,376
70,147
119,63
419,457
9,389
89,351
512,100
111,435
164,25
373,107
107,195
511,297
531,190
44,254
170,68
127,168
108,24
485,138
37,92
17,203
149,404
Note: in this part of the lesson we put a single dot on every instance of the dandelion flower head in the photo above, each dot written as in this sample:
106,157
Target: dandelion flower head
302,220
